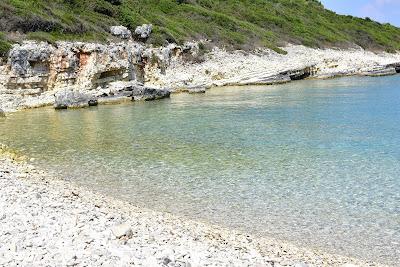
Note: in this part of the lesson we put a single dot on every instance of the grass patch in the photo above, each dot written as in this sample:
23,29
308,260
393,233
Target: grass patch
235,24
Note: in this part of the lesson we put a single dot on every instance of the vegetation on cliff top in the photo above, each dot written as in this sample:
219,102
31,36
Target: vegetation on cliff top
243,24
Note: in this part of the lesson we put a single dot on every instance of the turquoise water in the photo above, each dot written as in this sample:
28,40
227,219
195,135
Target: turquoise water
316,163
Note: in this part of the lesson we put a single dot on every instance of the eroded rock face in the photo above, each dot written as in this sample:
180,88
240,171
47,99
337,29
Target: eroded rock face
61,72
46,67
77,74
29,66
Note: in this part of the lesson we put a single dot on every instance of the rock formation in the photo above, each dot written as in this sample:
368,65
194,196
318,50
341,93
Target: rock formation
75,73
121,32
73,99
144,31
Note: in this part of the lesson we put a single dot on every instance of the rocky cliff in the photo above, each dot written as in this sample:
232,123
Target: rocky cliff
40,69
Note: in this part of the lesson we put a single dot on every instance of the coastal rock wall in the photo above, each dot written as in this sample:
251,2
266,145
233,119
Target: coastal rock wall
34,72
44,67
263,66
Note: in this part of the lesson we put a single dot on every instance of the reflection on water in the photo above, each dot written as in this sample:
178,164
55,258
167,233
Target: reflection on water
313,162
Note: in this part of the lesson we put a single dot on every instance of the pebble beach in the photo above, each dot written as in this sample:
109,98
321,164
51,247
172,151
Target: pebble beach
45,221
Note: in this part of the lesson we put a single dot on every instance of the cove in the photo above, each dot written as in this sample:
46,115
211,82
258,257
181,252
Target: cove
316,163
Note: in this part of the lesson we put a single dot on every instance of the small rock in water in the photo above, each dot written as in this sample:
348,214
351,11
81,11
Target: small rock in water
2,113
93,102
122,230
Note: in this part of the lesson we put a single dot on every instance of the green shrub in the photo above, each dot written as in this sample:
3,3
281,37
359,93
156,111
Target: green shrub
4,46
243,24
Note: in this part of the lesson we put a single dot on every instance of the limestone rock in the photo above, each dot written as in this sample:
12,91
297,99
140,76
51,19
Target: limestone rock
72,99
122,230
147,93
132,90
34,71
144,31
121,32
30,57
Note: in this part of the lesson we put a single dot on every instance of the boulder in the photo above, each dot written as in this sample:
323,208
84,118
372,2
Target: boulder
135,90
147,93
93,102
121,32
144,31
73,99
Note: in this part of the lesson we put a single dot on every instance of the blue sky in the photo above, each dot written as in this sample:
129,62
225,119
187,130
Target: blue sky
380,10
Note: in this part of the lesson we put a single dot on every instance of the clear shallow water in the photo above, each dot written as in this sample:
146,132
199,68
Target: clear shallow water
313,162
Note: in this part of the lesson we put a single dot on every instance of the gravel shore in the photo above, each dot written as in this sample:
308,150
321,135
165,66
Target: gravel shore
49,222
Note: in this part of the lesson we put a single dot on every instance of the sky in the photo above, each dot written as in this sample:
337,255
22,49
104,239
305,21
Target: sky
379,10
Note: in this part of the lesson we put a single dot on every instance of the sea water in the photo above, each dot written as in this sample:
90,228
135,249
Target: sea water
316,163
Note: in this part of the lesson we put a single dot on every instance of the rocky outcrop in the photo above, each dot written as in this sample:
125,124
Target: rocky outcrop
118,92
121,32
67,73
270,77
37,74
221,68
29,67
45,67
143,32
395,66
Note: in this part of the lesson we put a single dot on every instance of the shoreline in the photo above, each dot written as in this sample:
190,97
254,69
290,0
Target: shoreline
48,221
194,90
75,75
